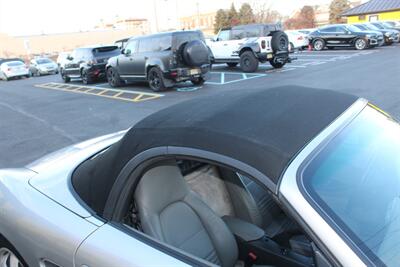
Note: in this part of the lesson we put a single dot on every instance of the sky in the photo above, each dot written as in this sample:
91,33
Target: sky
28,17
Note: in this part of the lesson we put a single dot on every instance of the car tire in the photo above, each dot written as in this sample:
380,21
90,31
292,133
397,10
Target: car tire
232,65
8,253
248,61
156,80
113,78
279,41
65,77
198,81
360,44
37,73
86,79
276,65
319,45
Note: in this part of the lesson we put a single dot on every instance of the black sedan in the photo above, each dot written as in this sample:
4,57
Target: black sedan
342,36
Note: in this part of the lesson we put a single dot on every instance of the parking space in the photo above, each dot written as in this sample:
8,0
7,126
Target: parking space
52,114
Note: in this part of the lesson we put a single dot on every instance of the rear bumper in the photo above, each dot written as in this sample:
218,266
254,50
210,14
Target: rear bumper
186,74
97,71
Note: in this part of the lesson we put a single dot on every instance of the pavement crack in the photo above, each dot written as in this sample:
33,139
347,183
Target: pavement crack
31,116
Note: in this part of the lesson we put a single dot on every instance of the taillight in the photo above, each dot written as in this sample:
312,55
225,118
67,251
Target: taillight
174,74
9,69
300,38
92,62
263,44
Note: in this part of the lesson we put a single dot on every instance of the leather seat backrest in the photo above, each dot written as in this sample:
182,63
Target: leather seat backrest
171,213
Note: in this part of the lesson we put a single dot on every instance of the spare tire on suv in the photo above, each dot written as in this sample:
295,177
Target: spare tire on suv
280,41
195,53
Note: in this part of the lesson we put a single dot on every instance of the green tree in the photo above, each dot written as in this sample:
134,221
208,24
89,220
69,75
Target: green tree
246,15
336,8
233,16
221,20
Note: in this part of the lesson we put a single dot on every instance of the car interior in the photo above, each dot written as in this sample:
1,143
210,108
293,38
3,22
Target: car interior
218,215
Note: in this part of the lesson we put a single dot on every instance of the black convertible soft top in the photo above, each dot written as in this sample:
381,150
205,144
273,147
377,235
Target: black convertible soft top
262,128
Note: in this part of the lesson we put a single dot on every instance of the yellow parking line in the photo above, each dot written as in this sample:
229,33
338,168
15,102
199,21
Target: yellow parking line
138,96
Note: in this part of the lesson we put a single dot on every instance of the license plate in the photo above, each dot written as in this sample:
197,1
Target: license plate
194,71
269,56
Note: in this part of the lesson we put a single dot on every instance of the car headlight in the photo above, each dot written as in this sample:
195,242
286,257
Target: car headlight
368,35
387,34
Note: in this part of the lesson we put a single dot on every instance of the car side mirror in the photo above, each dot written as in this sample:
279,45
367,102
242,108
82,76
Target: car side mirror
70,58
127,52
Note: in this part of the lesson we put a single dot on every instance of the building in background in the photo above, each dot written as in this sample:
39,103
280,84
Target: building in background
131,24
374,10
204,22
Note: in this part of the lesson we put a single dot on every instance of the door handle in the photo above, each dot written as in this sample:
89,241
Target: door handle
225,44
146,58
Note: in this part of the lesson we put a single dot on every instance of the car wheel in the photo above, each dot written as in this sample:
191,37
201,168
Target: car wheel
113,77
86,79
156,80
65,77
198,81
248,61
37,73
231,65
319,45
9,257
360,44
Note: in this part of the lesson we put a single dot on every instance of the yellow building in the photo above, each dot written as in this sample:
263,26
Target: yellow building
374,10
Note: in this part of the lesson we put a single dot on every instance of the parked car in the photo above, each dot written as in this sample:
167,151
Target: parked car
88,63
389,35
13,69
384,26
162,60
188,185
248,45
307,31
393,24
382,38
62,58
340,35
297,40
42,66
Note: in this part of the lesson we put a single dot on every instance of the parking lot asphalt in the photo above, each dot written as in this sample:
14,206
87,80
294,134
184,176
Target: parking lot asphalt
42,114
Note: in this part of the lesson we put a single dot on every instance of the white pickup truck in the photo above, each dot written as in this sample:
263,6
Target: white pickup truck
249,45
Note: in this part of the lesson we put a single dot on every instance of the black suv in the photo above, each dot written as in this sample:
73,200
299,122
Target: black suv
342,36
162,59
88,63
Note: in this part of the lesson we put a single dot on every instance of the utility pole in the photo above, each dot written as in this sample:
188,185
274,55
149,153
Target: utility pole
198,14
155,14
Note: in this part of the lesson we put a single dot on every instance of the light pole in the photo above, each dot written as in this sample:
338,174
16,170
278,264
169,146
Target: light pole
155,14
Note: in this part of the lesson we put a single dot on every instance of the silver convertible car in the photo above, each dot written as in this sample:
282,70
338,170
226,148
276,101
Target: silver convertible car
289,176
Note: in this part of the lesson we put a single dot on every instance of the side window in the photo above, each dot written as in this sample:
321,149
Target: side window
329,29
145,45
163,43
341,29
238,34
224,35
132,46
253,32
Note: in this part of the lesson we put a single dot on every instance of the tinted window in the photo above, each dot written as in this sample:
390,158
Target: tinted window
361,27
224,35
43,61
181,38
14,64
378,26
355,179
328,29
155,44
107,51
253,32
238,34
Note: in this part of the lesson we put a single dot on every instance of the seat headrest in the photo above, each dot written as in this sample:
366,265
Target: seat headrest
159,187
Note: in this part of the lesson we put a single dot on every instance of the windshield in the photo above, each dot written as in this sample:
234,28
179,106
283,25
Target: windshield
356,181
106,52
379,26
14,63
43,61
373,27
